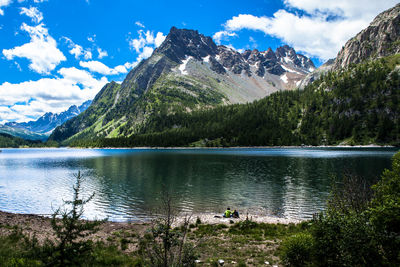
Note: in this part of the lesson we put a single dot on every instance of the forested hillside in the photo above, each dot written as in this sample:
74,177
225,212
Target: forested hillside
7,140
356,105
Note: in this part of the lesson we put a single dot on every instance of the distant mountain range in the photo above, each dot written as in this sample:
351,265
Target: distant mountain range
188,72
42,127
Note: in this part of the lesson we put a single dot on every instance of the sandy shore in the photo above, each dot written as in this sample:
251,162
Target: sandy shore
112,232
40,226
212,218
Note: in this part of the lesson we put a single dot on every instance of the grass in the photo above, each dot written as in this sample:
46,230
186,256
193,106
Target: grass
246,242
16,249
241,244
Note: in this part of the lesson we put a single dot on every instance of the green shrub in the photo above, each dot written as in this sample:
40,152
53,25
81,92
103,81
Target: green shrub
384,213
343,240
297,249
245,227
357,232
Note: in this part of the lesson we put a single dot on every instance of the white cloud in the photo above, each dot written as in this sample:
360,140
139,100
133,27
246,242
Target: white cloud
138,43
130,65
147,38
160,37
29,100
42,50
145,44
222,35
245,21
87,55
4,3
321,31
92,38
355,9
102,53
97,66
139,24
77,50
147,51
33,13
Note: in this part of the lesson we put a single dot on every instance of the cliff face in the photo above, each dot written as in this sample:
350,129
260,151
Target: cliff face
380,39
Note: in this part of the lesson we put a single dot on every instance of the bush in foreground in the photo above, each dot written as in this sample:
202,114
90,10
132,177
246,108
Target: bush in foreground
165,246
297,249
361,232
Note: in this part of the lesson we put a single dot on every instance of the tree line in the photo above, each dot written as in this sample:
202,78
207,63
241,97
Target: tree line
357,105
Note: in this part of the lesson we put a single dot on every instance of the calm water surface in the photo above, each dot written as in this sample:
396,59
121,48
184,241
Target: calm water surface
291,183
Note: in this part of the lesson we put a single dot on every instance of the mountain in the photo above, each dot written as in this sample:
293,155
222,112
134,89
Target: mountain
381,38
358,105
316,74
42,127
357,102
187,72
22,133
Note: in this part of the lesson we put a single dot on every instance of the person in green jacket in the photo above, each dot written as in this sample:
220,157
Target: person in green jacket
228,213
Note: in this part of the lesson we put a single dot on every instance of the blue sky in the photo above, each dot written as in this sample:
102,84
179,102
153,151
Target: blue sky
55,53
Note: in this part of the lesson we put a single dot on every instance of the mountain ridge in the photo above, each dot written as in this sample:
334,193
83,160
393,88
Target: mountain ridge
41,128
187,72
355,104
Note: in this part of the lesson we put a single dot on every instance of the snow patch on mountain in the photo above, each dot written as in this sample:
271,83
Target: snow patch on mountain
284,78
182,67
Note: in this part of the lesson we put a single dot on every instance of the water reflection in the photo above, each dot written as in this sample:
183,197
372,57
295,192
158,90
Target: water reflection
293,183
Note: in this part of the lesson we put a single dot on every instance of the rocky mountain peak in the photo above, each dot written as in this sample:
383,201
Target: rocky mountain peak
285,51
49,120
254,56
381,38
181,43
270,55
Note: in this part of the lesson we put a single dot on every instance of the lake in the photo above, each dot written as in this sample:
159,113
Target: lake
285,182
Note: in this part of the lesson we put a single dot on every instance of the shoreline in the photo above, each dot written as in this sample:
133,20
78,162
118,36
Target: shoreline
239,147
205,217
210,218
204,148
39,226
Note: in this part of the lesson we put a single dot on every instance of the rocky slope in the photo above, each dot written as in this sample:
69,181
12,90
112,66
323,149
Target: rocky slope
42,127
380,39
316,74
187,72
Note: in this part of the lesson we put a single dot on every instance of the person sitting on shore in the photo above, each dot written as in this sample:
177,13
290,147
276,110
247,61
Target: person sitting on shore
228,213
235,214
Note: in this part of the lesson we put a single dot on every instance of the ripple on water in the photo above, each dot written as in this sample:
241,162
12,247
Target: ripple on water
291,183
